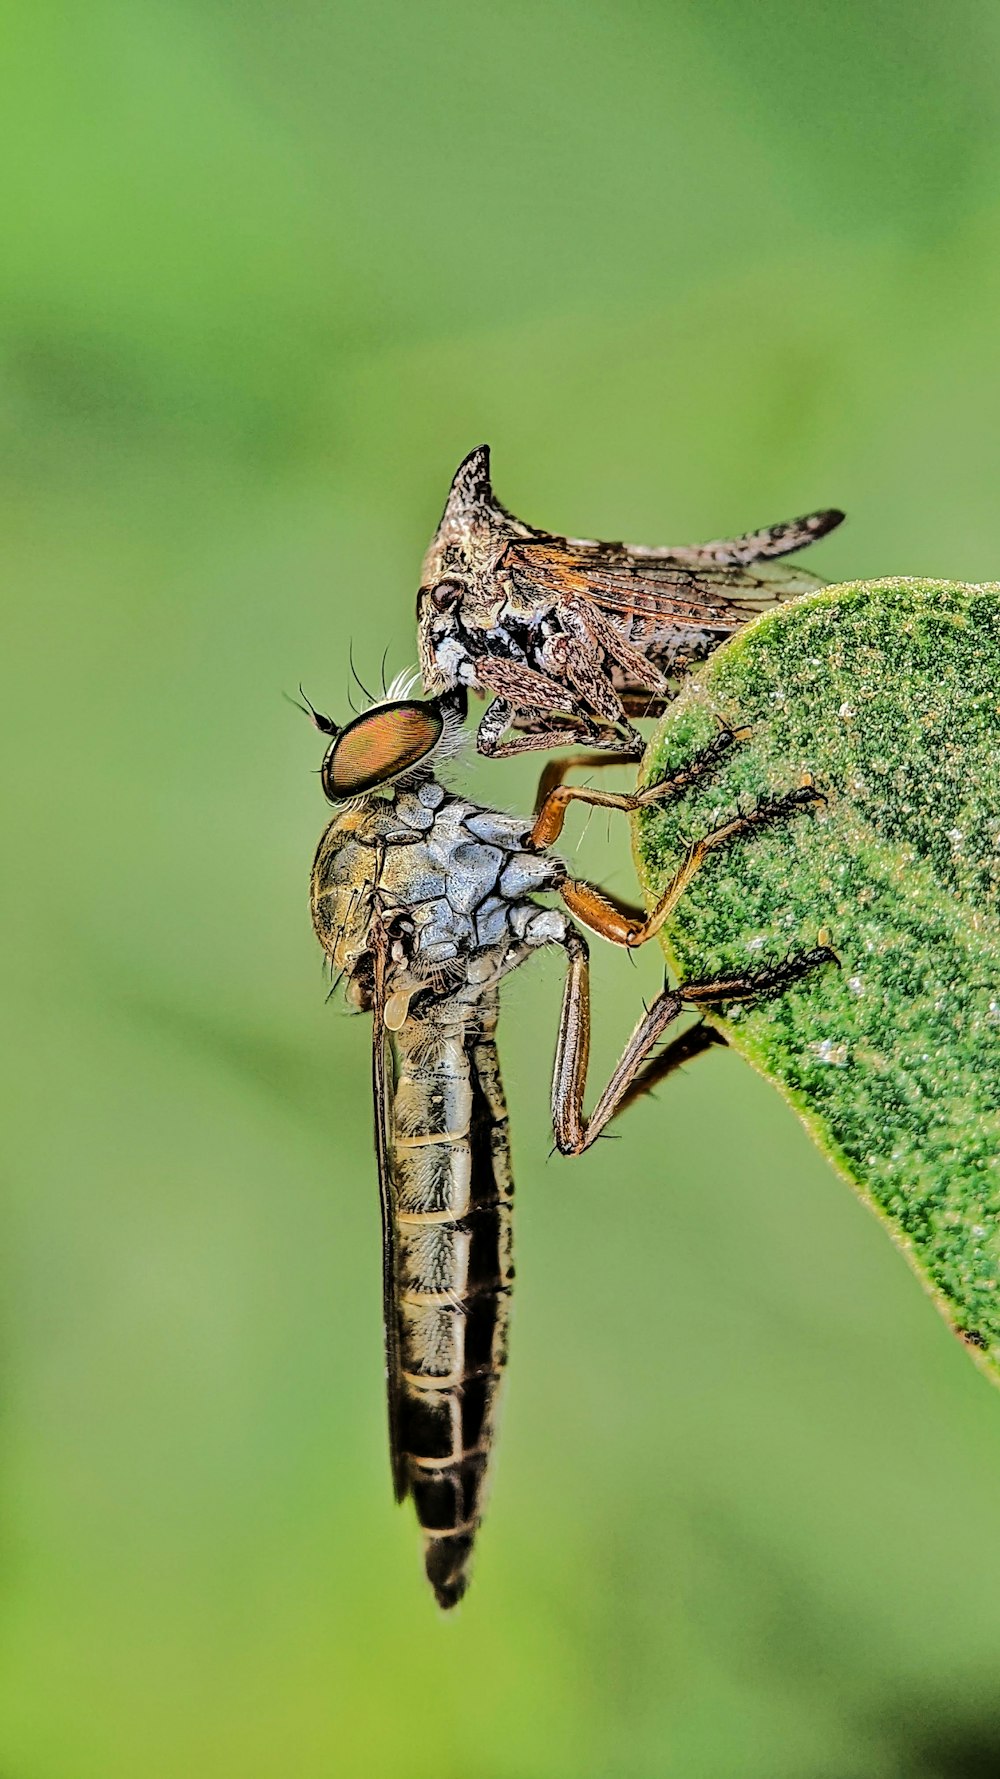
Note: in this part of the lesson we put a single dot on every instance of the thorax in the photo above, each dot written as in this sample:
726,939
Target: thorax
446,882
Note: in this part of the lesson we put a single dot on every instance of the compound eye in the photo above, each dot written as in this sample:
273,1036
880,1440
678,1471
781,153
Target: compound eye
379,746
446,595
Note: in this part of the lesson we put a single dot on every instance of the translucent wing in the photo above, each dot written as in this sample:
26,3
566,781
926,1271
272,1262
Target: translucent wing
381,1090
658,585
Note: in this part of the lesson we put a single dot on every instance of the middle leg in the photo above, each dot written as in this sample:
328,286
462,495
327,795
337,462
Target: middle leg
603,916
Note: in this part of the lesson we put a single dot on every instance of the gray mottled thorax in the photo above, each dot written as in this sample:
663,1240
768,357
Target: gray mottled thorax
453,879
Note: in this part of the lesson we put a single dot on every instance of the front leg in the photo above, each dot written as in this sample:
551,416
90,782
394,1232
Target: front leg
547,732
554,797
574,1131
554,772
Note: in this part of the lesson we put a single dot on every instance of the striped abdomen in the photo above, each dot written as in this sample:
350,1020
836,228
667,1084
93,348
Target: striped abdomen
452,1192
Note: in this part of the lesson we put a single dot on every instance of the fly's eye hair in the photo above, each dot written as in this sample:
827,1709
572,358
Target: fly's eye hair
446,595
380,745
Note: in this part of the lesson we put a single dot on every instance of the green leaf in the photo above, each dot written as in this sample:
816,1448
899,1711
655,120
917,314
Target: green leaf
888,693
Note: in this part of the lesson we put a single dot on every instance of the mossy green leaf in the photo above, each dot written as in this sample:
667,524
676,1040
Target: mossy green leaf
888,693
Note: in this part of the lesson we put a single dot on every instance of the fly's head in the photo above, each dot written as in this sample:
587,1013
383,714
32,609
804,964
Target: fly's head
390,748
459,597
398,740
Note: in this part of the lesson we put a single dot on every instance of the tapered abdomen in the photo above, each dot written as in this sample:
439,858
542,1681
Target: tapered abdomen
452,1192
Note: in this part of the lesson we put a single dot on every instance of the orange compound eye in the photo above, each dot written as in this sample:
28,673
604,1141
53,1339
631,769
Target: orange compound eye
380,745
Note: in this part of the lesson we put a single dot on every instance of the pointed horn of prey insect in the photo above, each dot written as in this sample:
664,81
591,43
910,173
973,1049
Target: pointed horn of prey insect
470,489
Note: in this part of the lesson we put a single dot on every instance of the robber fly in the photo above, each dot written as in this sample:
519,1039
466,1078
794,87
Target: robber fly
425,901
574,637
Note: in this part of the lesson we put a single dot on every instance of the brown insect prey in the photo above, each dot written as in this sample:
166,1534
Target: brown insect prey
574,637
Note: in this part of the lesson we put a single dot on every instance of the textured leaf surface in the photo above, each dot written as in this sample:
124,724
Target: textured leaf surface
888,692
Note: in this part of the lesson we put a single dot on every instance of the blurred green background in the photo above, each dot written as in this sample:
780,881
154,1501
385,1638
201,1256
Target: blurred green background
267,273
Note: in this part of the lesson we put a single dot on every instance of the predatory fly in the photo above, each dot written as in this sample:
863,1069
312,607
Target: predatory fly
425,901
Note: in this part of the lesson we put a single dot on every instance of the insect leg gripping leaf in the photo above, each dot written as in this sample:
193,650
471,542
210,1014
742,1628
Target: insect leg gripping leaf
888,694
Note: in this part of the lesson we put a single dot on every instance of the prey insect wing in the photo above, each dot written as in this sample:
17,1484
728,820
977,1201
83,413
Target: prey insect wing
631,585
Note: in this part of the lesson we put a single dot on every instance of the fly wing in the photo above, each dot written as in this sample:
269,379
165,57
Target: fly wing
381,1090
626,583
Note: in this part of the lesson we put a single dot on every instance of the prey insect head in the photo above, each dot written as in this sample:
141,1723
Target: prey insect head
382,744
